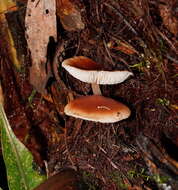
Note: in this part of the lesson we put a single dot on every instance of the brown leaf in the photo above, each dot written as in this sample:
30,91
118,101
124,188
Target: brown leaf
123,47
40,24
69,14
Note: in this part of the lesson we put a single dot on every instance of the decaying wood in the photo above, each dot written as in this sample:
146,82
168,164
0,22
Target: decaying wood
40,23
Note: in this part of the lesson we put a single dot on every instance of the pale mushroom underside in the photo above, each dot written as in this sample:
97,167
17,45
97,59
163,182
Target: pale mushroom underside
98,77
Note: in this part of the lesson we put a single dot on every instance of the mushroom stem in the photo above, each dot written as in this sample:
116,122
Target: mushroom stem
96,89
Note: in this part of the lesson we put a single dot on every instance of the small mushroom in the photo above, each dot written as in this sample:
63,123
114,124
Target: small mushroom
97,108
89,71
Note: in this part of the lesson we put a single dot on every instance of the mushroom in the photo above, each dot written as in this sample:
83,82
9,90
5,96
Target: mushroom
97,108
89,71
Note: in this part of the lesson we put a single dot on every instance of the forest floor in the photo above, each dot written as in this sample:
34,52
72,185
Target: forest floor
141,152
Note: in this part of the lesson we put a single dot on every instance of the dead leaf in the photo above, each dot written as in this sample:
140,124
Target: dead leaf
122,46
6,6
48,98
40,25
70,16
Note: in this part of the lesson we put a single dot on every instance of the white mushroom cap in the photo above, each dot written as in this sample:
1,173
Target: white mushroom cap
97,108
86,70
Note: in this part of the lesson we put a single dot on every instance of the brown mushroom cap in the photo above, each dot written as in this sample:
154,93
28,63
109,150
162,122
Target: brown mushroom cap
97,108
86,70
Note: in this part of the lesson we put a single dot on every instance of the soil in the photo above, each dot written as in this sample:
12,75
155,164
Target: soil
140,152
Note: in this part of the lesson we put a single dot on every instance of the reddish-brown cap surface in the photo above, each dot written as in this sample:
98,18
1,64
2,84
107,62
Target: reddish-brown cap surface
89,71
97,108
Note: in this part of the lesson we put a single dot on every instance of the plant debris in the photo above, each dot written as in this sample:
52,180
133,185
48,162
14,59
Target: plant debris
69,14
40,23
136,153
